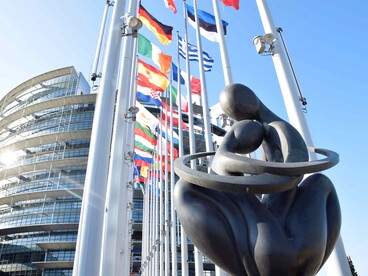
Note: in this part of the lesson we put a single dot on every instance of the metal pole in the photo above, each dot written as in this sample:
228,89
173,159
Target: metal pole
174,257
223,49
99,42
183,236
198,260
88,249
162,222
337,263
204,97
115,256
167,222
128,167
286,81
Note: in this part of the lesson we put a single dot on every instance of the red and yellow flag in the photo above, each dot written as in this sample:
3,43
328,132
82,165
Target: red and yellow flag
152,75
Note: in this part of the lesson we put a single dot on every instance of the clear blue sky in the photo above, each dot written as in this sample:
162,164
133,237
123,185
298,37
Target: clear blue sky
326,39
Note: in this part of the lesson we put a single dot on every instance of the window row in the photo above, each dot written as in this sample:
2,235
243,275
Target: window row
52,129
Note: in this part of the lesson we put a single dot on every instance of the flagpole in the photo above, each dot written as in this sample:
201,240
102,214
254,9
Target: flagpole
222,43
183,235
204,97
88,248
162,255
145,226
157,221
129,168
115,256
337,263
94,74
206,115
167,226
172,183
198,259
151,239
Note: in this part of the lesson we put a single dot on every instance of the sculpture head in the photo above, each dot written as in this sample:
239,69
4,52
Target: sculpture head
239,102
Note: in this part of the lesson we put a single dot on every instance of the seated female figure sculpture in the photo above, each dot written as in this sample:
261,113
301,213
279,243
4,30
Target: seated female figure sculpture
284,233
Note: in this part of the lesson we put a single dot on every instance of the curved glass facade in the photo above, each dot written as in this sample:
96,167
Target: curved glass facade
45,127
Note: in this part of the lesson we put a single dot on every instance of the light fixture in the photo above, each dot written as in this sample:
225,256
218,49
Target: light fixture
131,22
262,41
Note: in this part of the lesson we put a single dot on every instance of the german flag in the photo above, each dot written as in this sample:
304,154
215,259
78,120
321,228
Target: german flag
162,32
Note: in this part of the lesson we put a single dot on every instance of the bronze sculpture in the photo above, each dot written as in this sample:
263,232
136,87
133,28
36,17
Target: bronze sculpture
292,228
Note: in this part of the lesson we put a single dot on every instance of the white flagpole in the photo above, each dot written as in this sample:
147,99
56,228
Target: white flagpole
204,97
223,49
151,240
172,183
337,263
153,217
129,168
198,259
145,227
183,236
157,221
94,73
115,256
151,225
88,249
167,226
162,222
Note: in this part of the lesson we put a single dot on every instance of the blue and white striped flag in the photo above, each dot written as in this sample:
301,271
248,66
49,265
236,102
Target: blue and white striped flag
193,54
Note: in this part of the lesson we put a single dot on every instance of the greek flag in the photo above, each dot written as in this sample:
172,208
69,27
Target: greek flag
193,54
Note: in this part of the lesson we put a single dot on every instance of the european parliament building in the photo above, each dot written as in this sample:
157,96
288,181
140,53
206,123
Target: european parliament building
45,129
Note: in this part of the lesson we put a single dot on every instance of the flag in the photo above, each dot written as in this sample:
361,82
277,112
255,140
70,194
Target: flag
143,155
146,118
152,75
161,31
144,81
233,3
145,132
175,136
170,5
148,49
166,110
143,144
175,74
175,98
140,163
194,54
147,94
207,23
195,83
166,147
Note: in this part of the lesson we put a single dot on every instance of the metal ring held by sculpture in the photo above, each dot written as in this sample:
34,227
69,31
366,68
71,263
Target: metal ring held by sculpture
256,184
262,184
243,164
